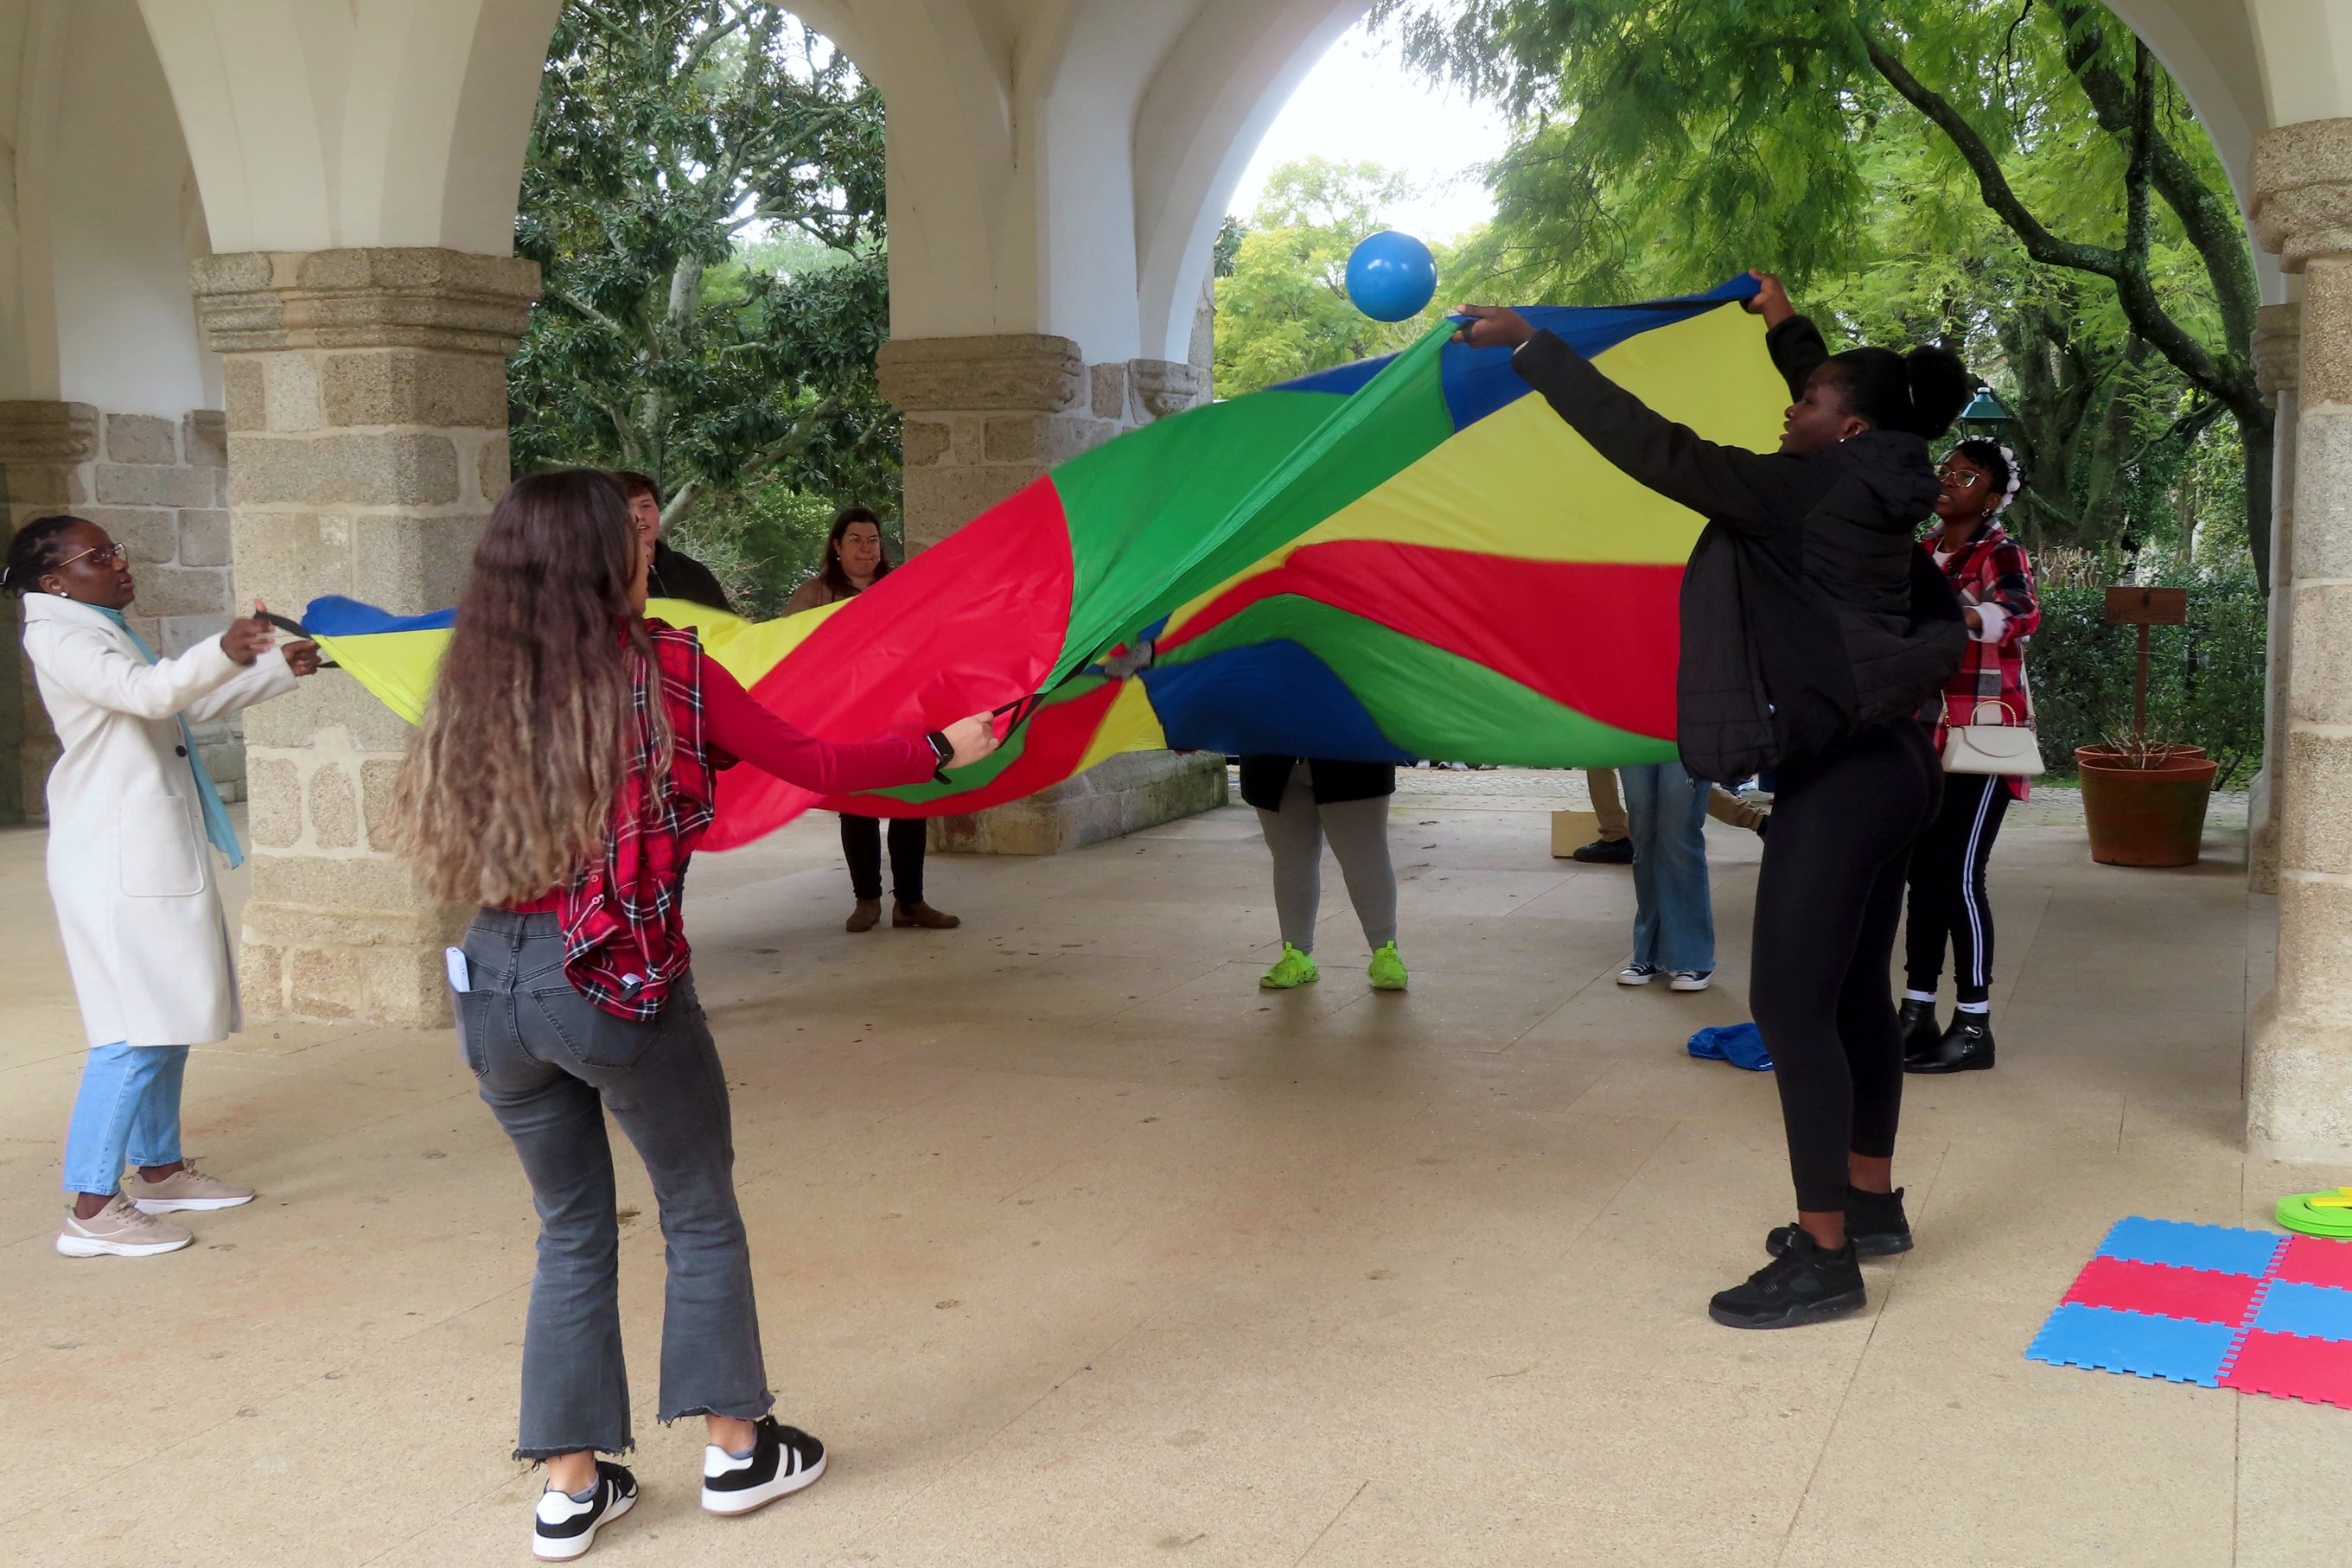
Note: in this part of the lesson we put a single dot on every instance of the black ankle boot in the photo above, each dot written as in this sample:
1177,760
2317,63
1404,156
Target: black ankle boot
1874,1224
1920,1036
1804,1285
1966,1047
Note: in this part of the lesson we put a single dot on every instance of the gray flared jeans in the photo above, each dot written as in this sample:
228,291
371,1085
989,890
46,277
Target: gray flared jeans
550,1064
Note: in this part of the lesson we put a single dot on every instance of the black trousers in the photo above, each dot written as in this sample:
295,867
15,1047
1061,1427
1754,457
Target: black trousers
1828,898
1947,887
861,845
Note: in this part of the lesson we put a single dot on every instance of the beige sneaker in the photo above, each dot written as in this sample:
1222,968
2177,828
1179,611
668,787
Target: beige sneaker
119,1230
186,1188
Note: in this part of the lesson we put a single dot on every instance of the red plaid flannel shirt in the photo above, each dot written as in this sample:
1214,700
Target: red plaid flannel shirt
625,942
1991,569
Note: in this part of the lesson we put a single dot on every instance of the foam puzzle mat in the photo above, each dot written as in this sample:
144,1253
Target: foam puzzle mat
2211,1305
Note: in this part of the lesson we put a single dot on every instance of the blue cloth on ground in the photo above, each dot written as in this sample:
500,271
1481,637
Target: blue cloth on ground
1739,1044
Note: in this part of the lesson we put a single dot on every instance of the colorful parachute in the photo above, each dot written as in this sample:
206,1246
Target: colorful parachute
1409,557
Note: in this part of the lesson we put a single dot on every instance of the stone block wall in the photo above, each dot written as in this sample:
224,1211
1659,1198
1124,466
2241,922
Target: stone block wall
985,417
367,440
158,486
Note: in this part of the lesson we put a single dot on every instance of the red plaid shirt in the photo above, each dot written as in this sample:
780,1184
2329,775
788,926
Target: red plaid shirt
1991,570
623,928
625,940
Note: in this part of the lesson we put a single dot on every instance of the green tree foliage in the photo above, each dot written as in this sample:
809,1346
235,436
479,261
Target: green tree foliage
2020,180
668,132
2205,680
1282,294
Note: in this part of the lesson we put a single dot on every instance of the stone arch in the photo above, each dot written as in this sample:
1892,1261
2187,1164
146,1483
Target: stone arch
326,126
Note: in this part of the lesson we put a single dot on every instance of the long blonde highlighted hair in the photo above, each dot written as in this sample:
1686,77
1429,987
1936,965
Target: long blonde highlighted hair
507,789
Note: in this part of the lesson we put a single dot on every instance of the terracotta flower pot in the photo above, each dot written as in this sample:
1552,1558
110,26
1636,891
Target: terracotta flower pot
2144,817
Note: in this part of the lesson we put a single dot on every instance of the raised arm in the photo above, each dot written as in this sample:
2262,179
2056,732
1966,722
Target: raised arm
1746,489
739,726
266,676
92,666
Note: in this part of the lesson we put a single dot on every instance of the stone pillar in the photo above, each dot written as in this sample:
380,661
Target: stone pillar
2299,1068
46,449
2277,346
367,418
985,417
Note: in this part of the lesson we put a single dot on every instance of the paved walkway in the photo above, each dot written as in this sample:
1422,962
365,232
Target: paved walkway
1080,1251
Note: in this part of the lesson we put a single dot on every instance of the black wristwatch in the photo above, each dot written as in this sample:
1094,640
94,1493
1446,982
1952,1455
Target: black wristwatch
942,748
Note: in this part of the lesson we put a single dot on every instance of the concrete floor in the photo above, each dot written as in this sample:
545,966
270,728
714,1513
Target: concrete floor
1079,1250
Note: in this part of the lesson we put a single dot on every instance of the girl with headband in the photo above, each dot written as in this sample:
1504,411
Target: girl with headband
1990,572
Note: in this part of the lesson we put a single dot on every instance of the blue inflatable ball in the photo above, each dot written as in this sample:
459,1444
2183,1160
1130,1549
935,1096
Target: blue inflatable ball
1391,276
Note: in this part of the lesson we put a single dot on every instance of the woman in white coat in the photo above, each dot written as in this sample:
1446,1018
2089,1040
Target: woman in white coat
131,809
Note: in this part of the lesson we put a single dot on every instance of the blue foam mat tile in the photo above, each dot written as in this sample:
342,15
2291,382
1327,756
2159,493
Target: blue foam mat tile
2315,1311
2105,1340
2225,1249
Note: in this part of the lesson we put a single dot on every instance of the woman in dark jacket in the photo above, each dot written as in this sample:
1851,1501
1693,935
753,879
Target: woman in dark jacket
1301,802
1813,627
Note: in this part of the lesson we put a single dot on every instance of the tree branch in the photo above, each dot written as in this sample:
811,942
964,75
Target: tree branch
594,314
2141,307
2211,224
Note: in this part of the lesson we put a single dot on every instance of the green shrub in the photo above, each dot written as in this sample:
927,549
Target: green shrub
2204,680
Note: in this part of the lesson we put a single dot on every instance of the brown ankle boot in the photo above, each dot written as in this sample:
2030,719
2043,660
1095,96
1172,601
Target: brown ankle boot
864,915
921,914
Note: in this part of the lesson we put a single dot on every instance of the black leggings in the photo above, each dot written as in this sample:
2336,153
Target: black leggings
861,845
1827,902
1947,887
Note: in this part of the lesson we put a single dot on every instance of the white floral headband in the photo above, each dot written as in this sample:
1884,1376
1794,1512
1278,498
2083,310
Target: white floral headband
2016,478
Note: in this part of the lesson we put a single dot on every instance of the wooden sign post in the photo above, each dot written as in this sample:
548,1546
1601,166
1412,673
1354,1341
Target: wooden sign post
2146,607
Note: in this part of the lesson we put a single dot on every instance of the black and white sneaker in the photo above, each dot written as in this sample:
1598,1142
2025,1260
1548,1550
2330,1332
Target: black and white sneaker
783,1461
1638,974
564,1530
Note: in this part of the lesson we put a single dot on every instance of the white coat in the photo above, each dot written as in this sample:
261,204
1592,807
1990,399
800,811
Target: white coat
130,872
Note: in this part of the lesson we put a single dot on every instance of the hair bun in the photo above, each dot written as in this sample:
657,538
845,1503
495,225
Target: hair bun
1940,387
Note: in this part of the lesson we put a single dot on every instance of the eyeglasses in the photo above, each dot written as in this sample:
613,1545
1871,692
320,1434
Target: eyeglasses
1958,478
100,555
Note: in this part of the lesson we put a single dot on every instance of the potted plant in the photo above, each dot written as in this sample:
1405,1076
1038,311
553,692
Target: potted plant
2144,800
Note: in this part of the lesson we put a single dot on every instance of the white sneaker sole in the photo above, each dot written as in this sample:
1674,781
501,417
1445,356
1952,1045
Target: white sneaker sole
1699,985
98,1246
756,1498
1625,979
176,1205
564,1551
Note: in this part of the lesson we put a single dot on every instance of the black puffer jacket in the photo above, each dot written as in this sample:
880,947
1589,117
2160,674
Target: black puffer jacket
1808,610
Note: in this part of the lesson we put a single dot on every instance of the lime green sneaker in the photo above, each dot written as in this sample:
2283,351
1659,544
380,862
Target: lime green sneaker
1296,968
1388,969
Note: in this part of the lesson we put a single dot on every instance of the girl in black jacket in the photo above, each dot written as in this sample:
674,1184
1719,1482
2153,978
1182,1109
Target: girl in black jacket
1810,635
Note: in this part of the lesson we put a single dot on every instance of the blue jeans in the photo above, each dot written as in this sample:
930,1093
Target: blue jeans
129,1104
1673,917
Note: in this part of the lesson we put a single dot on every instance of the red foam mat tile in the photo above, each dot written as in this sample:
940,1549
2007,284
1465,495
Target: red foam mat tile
2315,1260
2288,1366
2199,1295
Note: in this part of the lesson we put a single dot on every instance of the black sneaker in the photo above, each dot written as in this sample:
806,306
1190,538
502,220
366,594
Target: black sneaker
1921,1035
1606,852
1874,1222
783,1461
1804,1285
563,1529
1966,1047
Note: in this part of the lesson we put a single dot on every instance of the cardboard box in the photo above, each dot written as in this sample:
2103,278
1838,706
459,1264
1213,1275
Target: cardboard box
1572,830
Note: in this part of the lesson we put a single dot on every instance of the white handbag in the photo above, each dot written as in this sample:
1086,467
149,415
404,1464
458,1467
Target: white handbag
1992,748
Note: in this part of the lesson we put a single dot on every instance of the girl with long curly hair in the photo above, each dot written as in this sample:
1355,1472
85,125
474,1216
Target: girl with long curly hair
564,772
